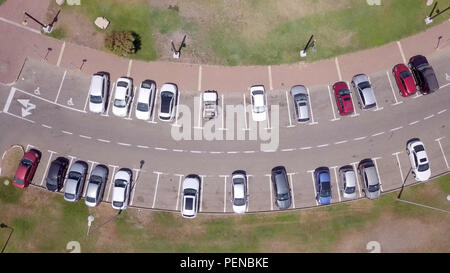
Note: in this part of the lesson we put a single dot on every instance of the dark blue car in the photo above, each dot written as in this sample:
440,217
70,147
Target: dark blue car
323,185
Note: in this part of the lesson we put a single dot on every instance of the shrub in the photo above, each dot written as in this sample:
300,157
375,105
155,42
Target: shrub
121,43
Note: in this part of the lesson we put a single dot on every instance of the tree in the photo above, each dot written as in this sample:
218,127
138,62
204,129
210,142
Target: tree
121,43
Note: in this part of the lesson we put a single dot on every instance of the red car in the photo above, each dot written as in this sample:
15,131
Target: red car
343,98
404,79
27,168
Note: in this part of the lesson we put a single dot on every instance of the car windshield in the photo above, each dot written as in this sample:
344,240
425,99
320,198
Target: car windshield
117,204
347,98
418,148
18,181
302,103
26,162
142,107
239,201
122,84
424,167
326,189
350,190
120,183
69,195
119,103
283,197
373,188
90,199
95,179
259,109
74,175
96,99
405,74
343,92
364,85
51,181
259,92
189,192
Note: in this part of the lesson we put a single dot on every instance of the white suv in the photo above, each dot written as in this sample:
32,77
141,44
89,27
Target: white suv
98,93
419,159
122,97
191,187
258,97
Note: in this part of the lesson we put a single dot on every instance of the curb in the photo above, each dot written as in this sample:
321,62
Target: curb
7,150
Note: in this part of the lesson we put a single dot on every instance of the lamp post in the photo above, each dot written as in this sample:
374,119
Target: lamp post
430,17
2,225
311,43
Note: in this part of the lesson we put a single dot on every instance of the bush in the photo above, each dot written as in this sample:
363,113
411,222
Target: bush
122,43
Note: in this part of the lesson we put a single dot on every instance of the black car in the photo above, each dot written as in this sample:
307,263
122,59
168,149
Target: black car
281,187
57,173
423,74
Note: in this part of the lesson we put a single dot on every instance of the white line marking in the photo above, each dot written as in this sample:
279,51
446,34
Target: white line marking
336,61
332,106
216,152
224,193
110,100
202,177
442,150
86,137
341,142
160,149
124,144
428,117
288,150
131,106
48,164
292,189
134,187
232,152
414,122
223,114
156,188
378,134
61,54
196,152
417,95
249,152
314,185
179,189
360,138
103,140
111,182
46,126
61,85
337,183
199,78
323,145
396,128
245,113
271,194
199,121
401,51
289,110
305,148
355,114
177,150
19,117
176,112
67,132
269,71
19,25
88,176
399,165
130,63
142,146
154,107
375,97
9,100
392,88
440,112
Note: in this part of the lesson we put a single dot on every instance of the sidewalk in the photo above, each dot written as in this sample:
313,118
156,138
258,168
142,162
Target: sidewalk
25,43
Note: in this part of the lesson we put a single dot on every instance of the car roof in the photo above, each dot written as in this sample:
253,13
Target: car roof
298,89
259,100
144,95
92,190
78,166
71,186
372,177
418,60
239,191
350,178
369,96
96,85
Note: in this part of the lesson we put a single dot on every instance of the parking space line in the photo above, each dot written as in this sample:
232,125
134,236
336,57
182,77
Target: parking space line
269,71
336,61
341,142
399,165
199,78
61,52
223,114
48,164
289,111
133,101
9,99
355,114
332,106
224,192
91,167
401,51
245,113
133,190
442,111
111,182
314,185
271,194
268,118
86,137
392,88
199,120
292,189
396,128
428,117
337,183
130,63
378,134
179,189
414,122
60,86
357,177
202,177
176,111
417,95
310,108
156,187
86,102
442,150
378,172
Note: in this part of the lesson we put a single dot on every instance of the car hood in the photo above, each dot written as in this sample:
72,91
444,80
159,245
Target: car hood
423,176
373,195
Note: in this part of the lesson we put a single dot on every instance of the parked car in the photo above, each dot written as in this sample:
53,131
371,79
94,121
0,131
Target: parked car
122,187
75,181
418,159
96,185
347,180
369,177
57,174
191,190
122,97
210,104
98,93
424,74
299,96
169,96
145,100
281,187
364,91
26,169
323,185
343,98
259,102
239,196
404,80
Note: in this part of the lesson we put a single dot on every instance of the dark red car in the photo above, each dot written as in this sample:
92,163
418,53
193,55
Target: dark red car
404,79
27,168
343,98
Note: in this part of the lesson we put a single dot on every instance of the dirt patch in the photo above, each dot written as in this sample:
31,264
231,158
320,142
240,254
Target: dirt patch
11,161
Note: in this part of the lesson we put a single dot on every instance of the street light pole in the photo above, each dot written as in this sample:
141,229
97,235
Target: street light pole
2,225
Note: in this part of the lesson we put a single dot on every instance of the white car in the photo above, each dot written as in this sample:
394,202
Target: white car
419,159
98,93
258,97
144,105
239,192
191,188
122,97
347,179
169,97
121,191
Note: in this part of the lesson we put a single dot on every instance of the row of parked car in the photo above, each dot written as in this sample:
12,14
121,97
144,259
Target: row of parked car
76,176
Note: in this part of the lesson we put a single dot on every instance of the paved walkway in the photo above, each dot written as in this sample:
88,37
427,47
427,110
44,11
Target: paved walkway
25,42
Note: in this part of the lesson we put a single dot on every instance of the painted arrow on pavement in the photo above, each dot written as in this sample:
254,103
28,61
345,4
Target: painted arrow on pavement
28,107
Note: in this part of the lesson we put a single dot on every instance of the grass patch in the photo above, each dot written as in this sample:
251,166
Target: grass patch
58,33
2,1
9,194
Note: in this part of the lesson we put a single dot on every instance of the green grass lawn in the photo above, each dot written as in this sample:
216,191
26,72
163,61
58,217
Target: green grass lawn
44,222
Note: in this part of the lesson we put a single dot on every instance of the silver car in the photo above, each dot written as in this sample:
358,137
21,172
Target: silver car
75,181
347,179
369,177
299,96
121,191
96,185
239,197
364,91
